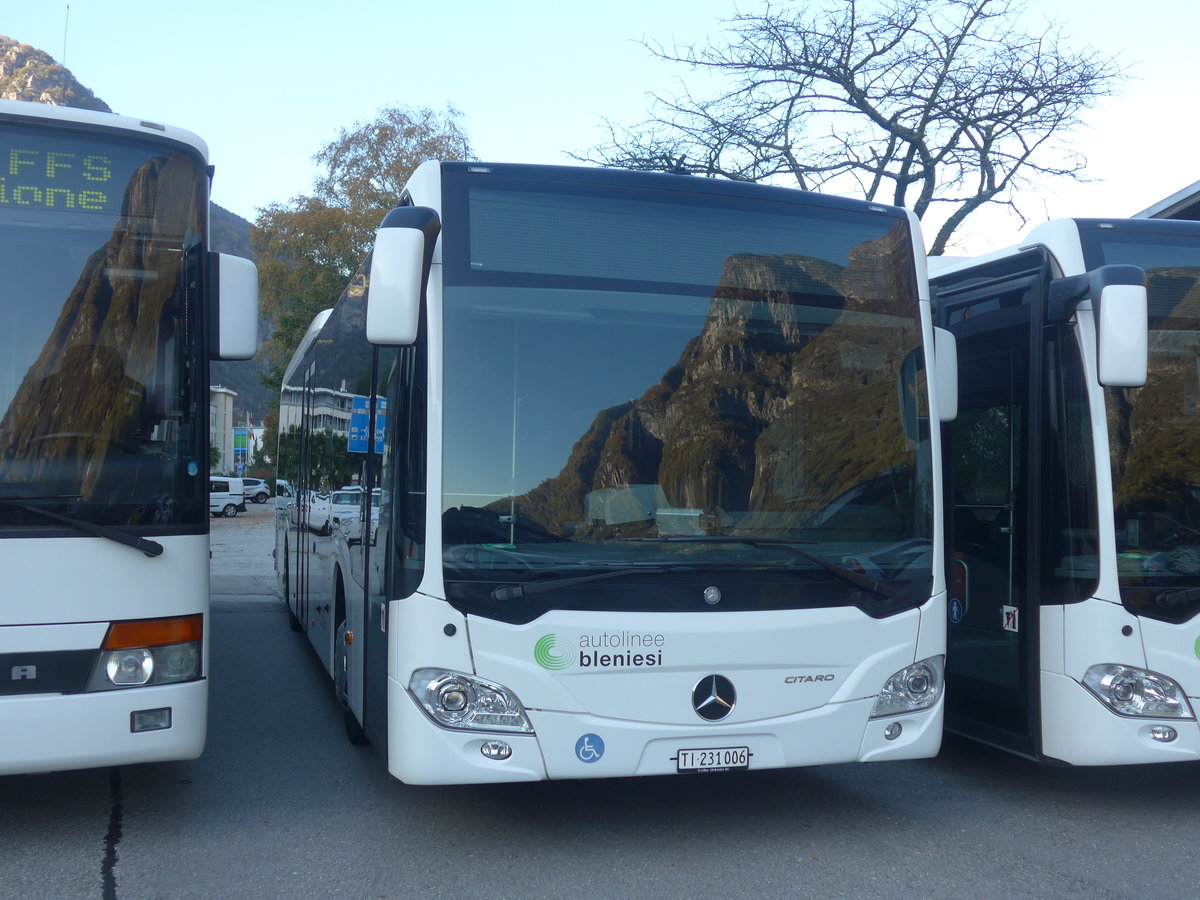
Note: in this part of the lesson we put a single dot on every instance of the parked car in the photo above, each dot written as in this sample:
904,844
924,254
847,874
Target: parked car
345,512
319,517
226,496
257,490
285,499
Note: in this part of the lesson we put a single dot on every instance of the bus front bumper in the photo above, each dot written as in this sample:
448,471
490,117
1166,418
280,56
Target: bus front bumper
1084,732
54,732
420,752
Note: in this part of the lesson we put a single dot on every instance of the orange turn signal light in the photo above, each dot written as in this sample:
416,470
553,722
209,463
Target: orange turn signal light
153,632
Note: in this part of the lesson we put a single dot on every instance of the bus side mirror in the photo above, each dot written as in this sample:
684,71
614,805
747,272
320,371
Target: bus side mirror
234,332
400,263
1121,312
939,363
945,363
1122,335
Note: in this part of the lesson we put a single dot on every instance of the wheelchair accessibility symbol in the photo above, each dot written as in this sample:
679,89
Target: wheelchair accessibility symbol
589,748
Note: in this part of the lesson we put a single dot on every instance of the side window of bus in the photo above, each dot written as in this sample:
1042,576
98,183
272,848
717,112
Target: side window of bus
1069,556
403,475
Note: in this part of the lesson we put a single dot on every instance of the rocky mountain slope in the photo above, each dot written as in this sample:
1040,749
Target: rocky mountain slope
27,73
763,412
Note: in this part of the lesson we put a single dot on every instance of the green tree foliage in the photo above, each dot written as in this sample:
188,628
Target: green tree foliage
329,463
310,247
269,450
305,250
939,105
286,451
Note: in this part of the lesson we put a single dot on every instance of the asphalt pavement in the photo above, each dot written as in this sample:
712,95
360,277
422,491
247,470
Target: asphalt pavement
281,805
242,566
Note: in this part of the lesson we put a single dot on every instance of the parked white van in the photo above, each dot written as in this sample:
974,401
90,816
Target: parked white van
226,496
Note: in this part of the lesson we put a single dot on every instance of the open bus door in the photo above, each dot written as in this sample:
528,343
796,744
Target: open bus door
993,476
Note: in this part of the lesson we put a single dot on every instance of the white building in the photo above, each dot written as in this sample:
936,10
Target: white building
1184,204
330,409
220,426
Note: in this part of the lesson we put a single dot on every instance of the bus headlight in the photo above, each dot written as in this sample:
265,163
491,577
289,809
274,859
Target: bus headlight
176,662
912,689
455,700
1130,691
137,666
133,666
149,651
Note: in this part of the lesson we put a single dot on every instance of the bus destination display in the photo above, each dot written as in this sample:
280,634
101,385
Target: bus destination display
41,178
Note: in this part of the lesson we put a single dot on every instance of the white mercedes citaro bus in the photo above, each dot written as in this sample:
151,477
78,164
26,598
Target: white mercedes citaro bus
656,476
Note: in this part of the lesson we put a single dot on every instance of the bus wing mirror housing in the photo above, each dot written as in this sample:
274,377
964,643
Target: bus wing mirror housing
1121,310
1122,335
400,264
939,362
945,362
234,326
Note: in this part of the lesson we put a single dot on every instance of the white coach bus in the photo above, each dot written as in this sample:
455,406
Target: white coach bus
107,320
1073,497
636,477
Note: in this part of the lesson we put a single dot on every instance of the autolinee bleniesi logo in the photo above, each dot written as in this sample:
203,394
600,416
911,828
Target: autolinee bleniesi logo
604,650
551,653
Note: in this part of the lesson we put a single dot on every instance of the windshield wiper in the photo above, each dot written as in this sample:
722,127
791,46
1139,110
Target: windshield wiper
29,504
859,580
1177,597
22,498
520,591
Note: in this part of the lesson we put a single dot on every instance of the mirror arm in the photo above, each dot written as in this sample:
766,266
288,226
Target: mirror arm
1065,295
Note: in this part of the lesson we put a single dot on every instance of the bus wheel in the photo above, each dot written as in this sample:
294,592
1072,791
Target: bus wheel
293,622
354,732
341,684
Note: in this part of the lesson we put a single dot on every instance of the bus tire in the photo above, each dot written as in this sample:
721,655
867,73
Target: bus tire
354,732
293,622
341,661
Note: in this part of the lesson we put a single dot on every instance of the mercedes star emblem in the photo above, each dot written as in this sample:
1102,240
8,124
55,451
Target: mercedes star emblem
713,697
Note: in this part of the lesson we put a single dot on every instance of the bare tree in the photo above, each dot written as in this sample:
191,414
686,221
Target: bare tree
929,104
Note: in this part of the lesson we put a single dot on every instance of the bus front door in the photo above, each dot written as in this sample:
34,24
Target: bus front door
992,472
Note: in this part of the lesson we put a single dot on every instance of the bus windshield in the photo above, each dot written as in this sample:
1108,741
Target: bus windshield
100,330
640,380
1154,431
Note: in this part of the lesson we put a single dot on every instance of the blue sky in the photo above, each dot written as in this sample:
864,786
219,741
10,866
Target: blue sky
267,83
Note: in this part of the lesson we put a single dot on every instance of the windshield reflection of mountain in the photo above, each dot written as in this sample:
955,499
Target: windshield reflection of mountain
95,396
779,418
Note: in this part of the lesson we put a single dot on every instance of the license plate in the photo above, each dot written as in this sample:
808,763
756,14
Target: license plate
713,759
